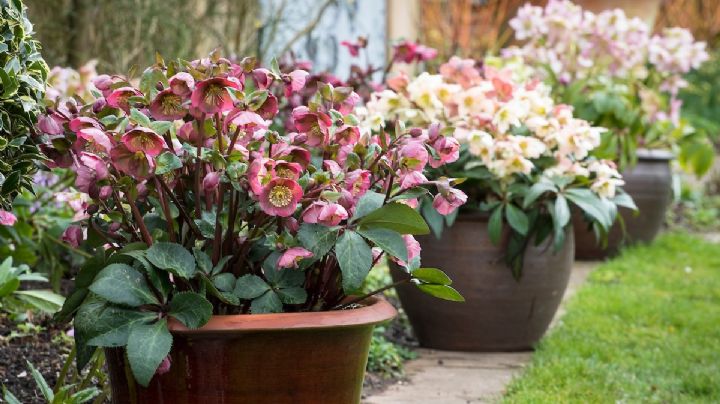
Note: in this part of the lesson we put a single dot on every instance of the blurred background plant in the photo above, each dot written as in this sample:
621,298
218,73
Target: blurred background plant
22,74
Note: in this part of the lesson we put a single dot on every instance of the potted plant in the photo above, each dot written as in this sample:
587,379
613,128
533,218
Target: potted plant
521,162
229,249
618,75
22,85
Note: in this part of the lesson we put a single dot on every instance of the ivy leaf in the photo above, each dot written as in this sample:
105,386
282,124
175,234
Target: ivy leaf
441,291
432,276
517,218
355,259
389,241
123,284
172,257
148,345
398,217
250,287
267,303
191,309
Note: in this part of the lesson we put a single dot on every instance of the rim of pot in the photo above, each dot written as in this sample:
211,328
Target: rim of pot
375,310
655,154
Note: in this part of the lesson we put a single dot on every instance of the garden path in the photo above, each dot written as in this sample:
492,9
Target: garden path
465,377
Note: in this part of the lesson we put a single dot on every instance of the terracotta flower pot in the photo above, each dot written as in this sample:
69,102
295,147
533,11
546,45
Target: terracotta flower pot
649,183
265,358
499,312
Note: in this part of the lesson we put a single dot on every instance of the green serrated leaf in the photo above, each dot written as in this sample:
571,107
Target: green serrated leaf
172,257
294,295
191,309
269,302
250,286
355,259
123,284
432,276
317,239
441,291
369,202
398,217
167,162
389,241
148,345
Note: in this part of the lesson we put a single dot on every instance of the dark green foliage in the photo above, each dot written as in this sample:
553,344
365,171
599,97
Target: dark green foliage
22,76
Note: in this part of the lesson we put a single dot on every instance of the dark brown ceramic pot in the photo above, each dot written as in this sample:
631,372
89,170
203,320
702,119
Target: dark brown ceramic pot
265,358
649,183
499,312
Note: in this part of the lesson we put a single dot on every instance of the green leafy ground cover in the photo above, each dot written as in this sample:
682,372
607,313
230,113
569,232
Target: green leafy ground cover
644,329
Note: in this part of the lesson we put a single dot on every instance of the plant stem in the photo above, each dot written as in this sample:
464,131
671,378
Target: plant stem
198,165
182,211
365,296
139,219
65,369
166,210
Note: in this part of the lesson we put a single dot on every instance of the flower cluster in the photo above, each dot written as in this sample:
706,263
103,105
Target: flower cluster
520,153
197,151
577,44
509,127
65,82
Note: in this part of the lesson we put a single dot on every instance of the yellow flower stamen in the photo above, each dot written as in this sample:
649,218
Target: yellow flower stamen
280,196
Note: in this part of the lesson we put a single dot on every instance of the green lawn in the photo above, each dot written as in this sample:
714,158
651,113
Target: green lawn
644,329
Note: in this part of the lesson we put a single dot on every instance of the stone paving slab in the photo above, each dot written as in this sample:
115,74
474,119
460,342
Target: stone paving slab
446,377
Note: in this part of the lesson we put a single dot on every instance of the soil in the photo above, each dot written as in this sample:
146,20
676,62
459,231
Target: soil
42,348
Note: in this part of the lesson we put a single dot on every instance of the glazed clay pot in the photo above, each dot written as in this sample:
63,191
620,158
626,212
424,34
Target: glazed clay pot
264,358
499,312
649,183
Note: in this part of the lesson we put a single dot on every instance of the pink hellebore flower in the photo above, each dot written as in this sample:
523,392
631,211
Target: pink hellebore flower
357,182
352,47
73,236
332,214
164,366
280,197
96,137
145,140
295,81
448,151
314,124
413,156
247,121
292,257
447,201
289,170
90,170
258,174
294,153
211,96
312,212
263,78
347,135
211,181
413,250
138,165
119,98
83,122
269,108
167,106
412,179
50,124
409,52
182,84
7,218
